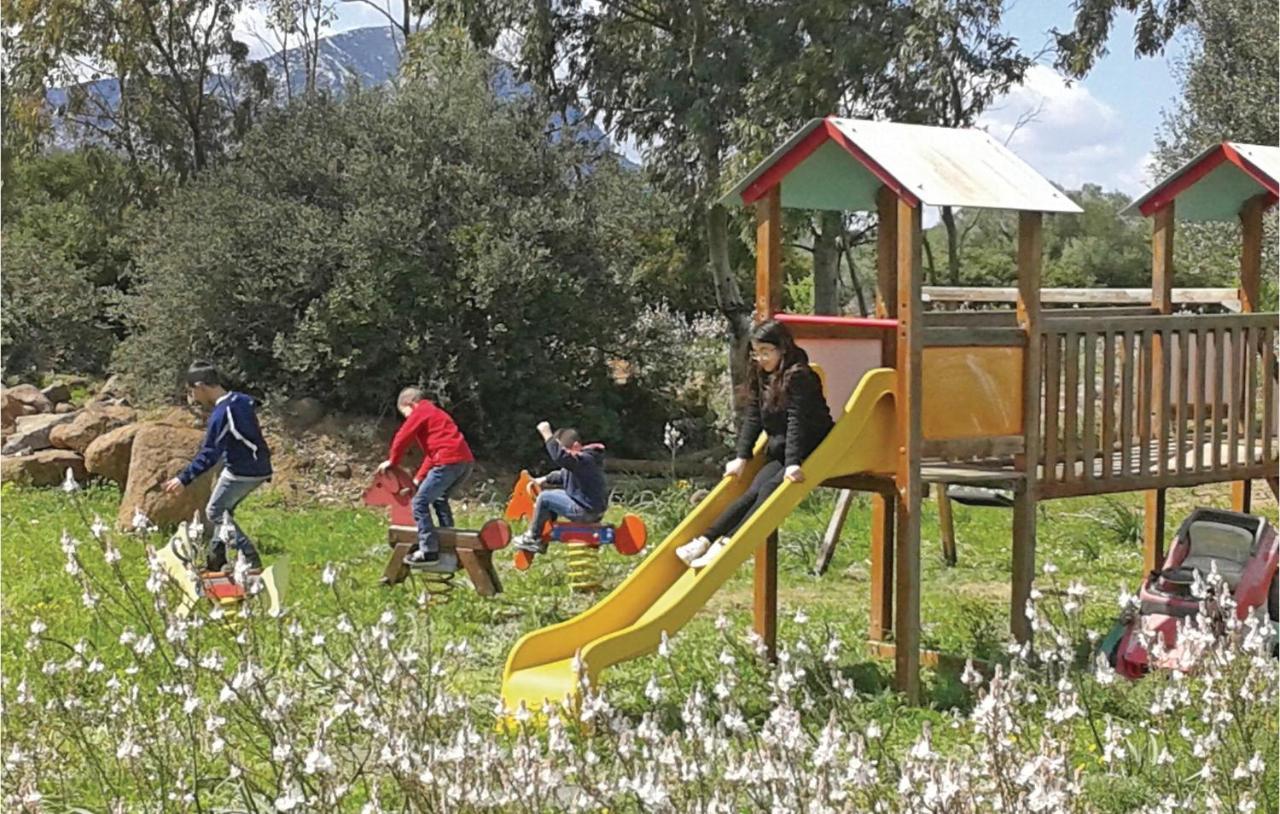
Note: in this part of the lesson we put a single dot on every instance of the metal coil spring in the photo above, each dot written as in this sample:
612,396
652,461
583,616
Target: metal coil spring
584,566
437,585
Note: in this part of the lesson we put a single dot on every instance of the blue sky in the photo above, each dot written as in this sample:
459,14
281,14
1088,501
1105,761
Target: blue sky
1099,130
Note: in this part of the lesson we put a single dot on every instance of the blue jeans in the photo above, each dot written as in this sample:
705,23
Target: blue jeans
437,487
556,503
228,491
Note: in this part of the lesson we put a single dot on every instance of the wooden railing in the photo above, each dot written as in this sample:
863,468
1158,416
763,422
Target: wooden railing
1137,402
939,295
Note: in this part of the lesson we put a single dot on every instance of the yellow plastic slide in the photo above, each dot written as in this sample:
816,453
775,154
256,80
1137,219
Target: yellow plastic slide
662,594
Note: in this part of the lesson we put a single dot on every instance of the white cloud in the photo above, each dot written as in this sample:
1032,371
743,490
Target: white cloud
1069,135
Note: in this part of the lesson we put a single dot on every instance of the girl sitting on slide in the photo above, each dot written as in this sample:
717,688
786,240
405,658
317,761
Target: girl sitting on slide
784,398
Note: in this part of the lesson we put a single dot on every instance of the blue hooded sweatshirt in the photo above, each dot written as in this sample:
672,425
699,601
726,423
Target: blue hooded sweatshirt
233,431
581,475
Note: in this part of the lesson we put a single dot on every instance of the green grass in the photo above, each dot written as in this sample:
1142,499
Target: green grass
965,608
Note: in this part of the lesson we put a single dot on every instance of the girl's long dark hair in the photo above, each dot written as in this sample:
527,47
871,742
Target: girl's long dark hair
772,387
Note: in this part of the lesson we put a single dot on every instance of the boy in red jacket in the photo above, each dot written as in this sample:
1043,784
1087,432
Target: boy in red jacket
446,463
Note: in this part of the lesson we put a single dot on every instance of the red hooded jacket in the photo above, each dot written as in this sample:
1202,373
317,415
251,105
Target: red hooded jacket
441,440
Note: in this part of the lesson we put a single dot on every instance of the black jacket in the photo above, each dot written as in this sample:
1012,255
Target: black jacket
798,425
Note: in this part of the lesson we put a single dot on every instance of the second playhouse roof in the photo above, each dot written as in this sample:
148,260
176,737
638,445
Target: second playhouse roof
1214,185
835,163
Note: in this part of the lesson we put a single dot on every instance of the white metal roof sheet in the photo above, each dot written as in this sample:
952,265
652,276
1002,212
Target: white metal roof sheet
941,166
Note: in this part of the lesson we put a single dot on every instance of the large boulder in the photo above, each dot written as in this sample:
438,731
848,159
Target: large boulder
48,467
113,391
88,424
179,417
159,452
31,396
107,456
12,408
31,432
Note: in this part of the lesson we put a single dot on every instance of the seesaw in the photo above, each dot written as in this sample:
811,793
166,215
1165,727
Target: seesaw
583,540
179,559
472,550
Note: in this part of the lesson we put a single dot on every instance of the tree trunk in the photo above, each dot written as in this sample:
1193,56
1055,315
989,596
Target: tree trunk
953,246
728,293
826,263
858,293
932,274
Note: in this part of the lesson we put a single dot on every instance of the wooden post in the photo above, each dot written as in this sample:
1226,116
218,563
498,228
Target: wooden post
1251,253
946,526
910,336
883,507
1162,229
766,594
769,254
1030,255
1250,299
1153,528
880,624
768,301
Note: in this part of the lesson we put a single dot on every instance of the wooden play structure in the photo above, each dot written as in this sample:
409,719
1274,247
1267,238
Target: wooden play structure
473,549
582,540
1043,402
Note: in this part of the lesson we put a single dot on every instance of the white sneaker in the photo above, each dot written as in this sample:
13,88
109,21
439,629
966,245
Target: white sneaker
693,549
711,553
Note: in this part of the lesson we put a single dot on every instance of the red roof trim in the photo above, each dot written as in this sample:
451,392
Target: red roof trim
784,165
1177,185
829,321
805,148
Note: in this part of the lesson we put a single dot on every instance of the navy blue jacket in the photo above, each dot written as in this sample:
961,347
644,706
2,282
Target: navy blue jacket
581,475
233,431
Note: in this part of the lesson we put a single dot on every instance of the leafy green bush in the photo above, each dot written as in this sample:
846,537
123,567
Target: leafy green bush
431,233
62,259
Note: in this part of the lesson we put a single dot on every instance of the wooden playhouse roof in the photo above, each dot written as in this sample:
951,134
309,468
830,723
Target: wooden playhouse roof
1215,184
839,164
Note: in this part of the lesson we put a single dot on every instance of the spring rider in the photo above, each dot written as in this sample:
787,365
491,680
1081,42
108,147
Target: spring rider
472,550
583,540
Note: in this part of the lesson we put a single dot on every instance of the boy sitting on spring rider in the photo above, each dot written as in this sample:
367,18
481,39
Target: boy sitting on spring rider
576,491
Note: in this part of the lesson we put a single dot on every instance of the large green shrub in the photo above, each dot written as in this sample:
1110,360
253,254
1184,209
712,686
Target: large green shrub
429,233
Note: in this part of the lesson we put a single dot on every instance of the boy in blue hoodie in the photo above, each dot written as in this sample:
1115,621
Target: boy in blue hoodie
233,433
576,491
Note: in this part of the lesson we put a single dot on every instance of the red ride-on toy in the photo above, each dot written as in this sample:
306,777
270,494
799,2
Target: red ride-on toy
472,550
583,540
1244,551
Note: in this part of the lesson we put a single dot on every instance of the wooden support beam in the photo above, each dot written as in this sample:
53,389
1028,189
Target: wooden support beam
887,269
766,594
1242,496
769,254
1153,523
884,507
1250,300
946,526
1162,230
1030,257
1251,253
907,477
832,536
880,624
768,303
